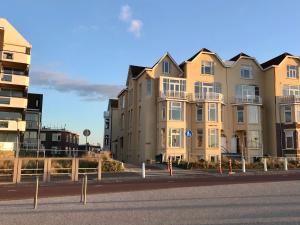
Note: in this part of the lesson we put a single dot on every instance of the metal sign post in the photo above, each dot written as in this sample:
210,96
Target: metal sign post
189,134
86,133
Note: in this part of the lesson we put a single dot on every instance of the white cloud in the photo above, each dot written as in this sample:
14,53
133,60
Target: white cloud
135,25
125,14
62,83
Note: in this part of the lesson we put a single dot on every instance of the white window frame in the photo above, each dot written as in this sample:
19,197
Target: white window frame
207,67
200,135
199,107
149,87
288,90
243,70
176,132
292,71
166,67
213,133
173,105
289,134
214,108
240,110
285,110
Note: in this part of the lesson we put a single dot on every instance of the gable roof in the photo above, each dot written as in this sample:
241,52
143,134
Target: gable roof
136,70
242,54
11,35
201,50
113,103
275,61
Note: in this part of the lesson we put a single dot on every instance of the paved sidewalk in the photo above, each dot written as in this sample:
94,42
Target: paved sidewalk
260,203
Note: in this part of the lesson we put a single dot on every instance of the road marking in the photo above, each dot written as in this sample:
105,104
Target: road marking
12,190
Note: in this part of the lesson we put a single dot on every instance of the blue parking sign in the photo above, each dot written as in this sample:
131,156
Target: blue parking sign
189,133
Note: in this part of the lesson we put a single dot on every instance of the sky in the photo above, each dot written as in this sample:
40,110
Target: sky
82,48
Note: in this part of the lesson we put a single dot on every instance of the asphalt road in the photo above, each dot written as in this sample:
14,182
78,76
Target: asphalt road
270,203
25,191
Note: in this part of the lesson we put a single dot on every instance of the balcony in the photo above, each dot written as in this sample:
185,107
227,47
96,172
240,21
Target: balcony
106,114
12,125
14,79
289,99
247,99
13,102
16,57
208,97
174,95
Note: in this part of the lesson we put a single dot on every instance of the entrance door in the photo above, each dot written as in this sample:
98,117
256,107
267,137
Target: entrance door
234,144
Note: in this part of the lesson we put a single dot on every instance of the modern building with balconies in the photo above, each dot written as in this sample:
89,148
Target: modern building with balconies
232,107
14,81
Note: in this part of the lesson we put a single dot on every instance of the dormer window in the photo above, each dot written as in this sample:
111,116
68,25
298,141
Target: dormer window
246,72
207,67
292,71
166,67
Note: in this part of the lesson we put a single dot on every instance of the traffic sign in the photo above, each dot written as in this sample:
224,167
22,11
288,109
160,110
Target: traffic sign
86,132
189,133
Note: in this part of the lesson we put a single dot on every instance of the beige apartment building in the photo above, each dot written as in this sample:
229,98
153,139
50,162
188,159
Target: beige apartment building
236,106
14,81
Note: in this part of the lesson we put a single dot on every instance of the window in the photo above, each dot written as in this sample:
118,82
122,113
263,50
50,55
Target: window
3,124
289,139
298,114
240,114
166,67
163,111
10,115
140,91
212,112
292,71
291,90
199,112
106,140
163,137
106,123
8,55
176,110
246,91
123,101
43,136
140,109
207,67
246,72
253,139
213,138
174,87
204,90
199,138
149,87
175,137
56,137
5,101
287,114
252,114
6,77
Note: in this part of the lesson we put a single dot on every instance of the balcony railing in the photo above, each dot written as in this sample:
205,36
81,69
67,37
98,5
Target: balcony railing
106,114
174,94
290,99
12,125
209,96
248,99
14,79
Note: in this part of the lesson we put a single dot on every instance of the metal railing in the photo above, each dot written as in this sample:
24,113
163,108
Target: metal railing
290,99
208,96
247,99
174,94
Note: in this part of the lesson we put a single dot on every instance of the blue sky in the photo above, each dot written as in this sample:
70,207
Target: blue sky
82,49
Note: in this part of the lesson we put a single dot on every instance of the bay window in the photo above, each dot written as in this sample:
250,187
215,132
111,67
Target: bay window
213,138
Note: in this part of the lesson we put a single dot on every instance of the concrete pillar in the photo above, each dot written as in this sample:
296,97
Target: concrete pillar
265,165
243,165
285,164
76,169
143,171
73,171
99,170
